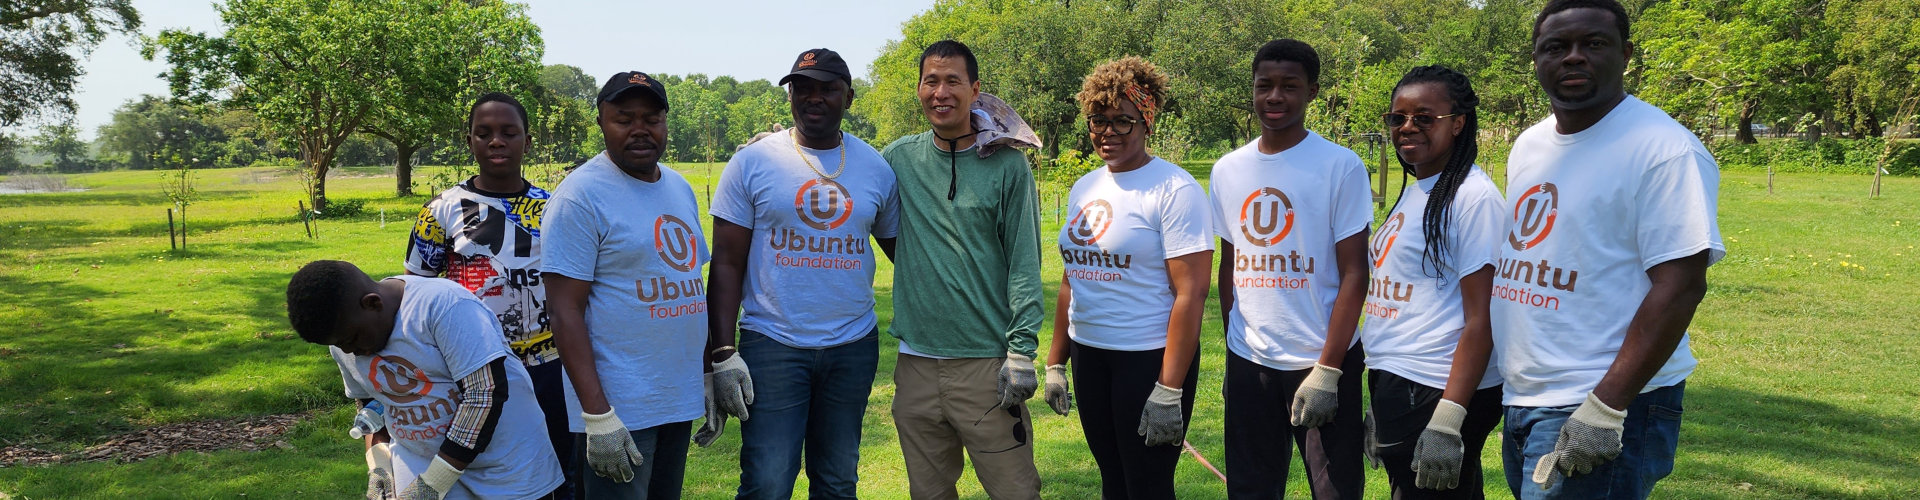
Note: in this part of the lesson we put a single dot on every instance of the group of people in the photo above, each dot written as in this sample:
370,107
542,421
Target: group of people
573,342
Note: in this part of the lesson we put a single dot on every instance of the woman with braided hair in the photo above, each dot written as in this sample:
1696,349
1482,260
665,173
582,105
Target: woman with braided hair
1428,338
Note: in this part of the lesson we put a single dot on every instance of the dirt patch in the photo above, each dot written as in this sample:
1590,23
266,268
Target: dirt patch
140,445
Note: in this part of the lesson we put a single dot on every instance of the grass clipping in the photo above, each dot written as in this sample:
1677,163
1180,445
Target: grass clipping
205,436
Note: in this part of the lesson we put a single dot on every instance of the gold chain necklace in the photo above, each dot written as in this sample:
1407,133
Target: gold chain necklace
816,170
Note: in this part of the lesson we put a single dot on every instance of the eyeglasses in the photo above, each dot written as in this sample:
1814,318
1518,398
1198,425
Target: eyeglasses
1420,120
1120,126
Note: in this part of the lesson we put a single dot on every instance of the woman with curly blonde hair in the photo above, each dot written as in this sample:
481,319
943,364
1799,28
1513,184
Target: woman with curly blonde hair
1136,255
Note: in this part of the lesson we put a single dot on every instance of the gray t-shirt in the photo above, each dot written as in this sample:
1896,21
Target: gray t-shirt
639,245
809,275
441,334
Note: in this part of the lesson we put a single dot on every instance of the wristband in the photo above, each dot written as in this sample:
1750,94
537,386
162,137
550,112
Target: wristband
441,476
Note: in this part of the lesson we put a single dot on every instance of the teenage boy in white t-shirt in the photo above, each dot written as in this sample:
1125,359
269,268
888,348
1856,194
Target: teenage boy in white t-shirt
622,260
1291,210
1614,226
459,408
791,222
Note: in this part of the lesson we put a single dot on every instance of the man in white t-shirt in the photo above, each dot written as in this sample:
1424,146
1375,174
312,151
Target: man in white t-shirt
791,222
1291,210
459,407
1614,224
622,254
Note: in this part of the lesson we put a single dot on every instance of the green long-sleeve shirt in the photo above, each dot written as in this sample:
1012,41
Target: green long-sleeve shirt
966,277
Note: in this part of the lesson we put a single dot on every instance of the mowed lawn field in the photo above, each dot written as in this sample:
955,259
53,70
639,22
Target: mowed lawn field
1805,387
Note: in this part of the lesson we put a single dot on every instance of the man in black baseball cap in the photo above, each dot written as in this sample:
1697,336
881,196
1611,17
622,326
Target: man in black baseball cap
633,109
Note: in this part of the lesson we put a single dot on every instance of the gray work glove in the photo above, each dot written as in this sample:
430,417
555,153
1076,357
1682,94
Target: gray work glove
1588,438
1371,450
732,386
1160,420
1315,403
716,423
434,483
610,449
1017,380
1058,397
1437,455
379,472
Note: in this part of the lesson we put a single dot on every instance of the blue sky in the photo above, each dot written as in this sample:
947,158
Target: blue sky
749,40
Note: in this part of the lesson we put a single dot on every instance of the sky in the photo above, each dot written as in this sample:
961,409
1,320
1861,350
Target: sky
748,40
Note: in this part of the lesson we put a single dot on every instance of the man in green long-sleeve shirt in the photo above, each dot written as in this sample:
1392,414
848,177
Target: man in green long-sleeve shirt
966,284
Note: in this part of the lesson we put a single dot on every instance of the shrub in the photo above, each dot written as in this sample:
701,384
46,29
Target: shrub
343,209
1829,155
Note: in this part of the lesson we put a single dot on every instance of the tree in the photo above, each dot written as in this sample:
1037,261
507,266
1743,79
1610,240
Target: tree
149,132
563,112
62,141
41,44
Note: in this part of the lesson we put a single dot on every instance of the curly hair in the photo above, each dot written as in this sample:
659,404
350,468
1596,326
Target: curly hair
318,293
1106,86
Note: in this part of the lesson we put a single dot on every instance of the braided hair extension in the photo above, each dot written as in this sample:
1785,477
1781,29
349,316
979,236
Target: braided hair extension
1435,219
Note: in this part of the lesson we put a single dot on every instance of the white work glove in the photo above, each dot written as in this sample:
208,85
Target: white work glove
610,449
732,386
1160,418
1058,397
434,483
1371,450
716,423
379,478
1017,380
1315,403
1436,456
1588,438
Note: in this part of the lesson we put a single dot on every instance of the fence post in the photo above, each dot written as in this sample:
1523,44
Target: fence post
305,219
170,237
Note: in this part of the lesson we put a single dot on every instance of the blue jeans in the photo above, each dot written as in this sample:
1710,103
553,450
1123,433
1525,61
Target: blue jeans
663,449
1648,443
804,399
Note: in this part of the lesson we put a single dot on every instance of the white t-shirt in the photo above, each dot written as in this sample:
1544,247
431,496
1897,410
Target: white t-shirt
809,275
639,244
1283,213
1124,228
1414,312
441,334
1592,211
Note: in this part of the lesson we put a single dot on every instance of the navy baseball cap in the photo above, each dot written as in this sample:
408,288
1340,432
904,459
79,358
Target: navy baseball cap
632,80
819,64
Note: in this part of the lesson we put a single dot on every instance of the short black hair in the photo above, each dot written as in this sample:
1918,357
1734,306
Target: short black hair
499,97
1558,6
950,48
1288,49
316,296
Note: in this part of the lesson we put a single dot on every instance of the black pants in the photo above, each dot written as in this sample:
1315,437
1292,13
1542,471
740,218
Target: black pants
1260,433
552,396
1401,410
1111,388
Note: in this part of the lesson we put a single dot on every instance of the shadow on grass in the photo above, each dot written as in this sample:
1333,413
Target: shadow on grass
1774,442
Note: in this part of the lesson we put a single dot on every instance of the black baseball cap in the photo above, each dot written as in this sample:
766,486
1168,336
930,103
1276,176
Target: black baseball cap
819,64
630,80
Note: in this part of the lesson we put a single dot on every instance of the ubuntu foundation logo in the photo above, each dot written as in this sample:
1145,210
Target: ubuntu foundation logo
1261,217
398,378
1533,214
823,204
1383,240
676,241
1090,224
806,60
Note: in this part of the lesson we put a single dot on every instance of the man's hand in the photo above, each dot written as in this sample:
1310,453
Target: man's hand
1316,401
716,423
1058,397
1371,447
1160,419
610,449
732,386
1017,380
434,483
1436,457
1589,438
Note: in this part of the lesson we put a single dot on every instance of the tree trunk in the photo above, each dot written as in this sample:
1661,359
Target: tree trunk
1744,134
319,159
403,168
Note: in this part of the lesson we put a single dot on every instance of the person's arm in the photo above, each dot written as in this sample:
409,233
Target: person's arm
1057,346
1225,280
567,310
725,279
1351,256
1476,340
483,397
1020,243
886,245
1656,328
1188,276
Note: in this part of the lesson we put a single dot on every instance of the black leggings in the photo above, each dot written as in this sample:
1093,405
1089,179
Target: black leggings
1110,388
1261,436
1401,409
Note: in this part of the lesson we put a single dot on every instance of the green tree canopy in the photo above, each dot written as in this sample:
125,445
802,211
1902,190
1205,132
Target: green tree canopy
41,45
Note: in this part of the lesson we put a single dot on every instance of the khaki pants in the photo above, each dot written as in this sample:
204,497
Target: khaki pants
943,405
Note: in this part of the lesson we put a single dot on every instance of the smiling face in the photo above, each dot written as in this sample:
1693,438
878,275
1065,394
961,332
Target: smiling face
1281,91
498,139
635,130
1580,58
818,106
1124,151
1427,149
947,94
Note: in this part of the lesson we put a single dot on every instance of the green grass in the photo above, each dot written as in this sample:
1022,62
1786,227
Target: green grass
1803,389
